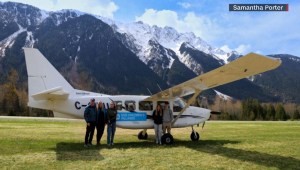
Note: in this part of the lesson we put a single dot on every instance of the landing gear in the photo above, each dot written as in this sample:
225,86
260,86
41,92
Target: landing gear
143,135
167,139
194,135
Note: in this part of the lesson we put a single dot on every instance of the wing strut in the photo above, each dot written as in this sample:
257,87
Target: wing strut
190,101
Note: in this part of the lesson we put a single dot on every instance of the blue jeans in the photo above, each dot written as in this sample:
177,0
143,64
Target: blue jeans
111,129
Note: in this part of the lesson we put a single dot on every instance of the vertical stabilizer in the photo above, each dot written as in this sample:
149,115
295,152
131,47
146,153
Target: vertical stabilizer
42,77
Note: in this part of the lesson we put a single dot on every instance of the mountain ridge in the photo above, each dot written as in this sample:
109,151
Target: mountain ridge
93,54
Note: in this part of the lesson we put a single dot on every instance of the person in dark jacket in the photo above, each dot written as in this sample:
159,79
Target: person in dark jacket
111,123
101,120
158,120
90,118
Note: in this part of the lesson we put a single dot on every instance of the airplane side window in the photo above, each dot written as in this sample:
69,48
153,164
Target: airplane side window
178,105
146,105
119,105
130,105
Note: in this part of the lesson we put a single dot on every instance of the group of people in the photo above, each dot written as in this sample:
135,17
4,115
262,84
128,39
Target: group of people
162,118
97,117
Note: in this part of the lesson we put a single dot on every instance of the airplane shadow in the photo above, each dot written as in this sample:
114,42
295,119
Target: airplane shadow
76,151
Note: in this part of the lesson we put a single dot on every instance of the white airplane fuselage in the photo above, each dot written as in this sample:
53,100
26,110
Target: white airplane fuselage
139,118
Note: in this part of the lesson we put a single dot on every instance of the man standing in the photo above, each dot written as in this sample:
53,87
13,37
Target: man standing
90,118
111,123
167,118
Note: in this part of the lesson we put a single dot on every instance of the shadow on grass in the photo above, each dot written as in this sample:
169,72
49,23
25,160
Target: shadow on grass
76,151
216,147
256,157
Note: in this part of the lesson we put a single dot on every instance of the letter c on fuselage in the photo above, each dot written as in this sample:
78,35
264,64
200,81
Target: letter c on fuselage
77,105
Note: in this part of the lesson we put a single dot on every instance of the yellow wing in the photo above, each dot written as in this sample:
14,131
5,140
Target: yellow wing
246,66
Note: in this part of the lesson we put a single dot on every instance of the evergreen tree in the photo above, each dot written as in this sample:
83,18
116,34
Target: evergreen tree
296,115
280,113
270,112
11,103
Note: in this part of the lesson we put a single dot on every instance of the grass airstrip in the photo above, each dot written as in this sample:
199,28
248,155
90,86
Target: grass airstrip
27,143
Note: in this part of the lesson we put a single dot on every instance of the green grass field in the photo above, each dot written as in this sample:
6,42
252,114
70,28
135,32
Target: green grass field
58,144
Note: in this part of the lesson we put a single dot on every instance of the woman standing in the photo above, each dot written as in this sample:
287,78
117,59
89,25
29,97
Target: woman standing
111,123
101,116
158,120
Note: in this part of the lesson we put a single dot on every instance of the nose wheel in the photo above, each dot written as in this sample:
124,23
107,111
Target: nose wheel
194,135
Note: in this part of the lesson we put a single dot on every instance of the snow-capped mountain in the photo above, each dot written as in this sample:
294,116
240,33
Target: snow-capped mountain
140,35
96,53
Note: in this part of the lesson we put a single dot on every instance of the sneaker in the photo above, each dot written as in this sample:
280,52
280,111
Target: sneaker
90,144
85,145
112,143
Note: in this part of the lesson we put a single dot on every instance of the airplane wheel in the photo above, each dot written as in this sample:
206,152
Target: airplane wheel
167,139
142,136
195,136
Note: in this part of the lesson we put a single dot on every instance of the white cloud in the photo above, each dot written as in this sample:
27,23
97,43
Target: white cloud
226,48
200,25
242,48
268,32
184,5
105,8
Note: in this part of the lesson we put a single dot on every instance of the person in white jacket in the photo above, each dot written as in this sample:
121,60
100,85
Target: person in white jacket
167,118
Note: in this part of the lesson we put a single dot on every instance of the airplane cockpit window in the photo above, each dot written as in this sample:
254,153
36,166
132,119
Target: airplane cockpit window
178,105
146,105
119,105
130,105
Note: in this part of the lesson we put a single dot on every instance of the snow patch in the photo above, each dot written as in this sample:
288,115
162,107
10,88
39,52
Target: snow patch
294,59
91,36
223,96
190,63
29,40
9,41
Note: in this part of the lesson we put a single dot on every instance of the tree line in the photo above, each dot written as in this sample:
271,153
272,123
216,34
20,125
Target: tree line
13,102
14,98
252,109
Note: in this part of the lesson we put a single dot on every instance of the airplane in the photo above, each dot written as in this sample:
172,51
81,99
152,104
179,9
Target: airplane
48,89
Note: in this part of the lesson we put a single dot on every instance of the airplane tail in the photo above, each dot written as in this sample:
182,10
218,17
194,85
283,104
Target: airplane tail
45,83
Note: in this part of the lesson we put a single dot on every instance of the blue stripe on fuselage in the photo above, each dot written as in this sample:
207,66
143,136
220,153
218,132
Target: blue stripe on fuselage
132,116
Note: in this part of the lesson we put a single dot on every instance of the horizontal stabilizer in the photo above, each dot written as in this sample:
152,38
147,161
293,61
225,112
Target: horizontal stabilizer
56,93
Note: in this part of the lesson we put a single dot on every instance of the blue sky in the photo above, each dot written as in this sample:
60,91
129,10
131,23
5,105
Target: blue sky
263,32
